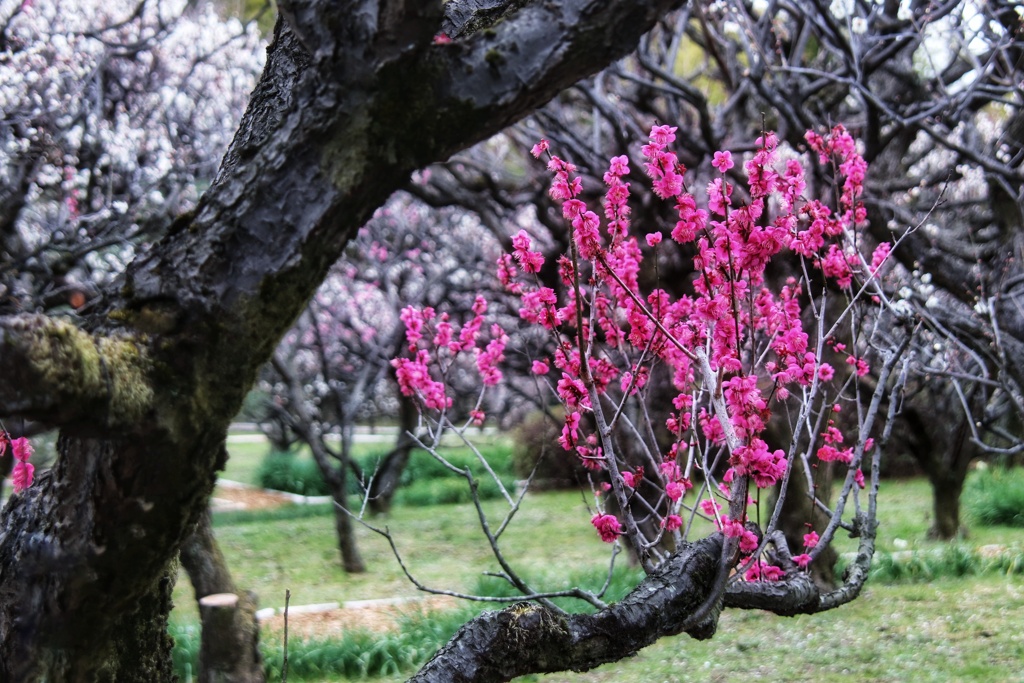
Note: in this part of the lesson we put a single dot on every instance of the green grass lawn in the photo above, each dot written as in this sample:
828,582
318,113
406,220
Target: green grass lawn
244,460
965,629
949,630
441,545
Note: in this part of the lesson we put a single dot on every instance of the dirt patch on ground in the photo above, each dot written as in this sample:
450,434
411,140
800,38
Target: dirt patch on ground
378,618
247,498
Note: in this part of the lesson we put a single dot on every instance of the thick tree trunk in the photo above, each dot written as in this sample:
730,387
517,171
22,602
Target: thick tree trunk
528,638
230,638
938,436
84,591
946,492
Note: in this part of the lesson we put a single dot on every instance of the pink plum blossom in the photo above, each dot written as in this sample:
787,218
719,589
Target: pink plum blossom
608,527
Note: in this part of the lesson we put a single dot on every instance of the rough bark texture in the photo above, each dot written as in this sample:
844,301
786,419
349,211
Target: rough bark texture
528,638
353,98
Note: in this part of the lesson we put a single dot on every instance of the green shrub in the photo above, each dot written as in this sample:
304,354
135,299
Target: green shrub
423,466
426,481
995,497
277,514
292,473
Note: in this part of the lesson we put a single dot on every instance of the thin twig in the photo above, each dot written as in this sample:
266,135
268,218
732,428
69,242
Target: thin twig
284,664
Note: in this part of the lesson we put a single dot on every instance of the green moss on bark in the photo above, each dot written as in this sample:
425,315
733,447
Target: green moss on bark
71,365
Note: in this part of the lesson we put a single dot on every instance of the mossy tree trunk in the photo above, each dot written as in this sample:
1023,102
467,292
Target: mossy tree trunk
354,97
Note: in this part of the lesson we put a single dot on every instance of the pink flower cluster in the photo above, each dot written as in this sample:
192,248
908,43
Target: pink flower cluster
531,261
435,343
754,459
762,571
676,485
810,541
608,527
755,334
23,471
414,380
736,529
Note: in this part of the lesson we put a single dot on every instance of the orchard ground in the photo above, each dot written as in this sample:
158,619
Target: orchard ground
946,629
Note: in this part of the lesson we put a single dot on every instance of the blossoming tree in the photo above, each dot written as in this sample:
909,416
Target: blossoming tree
736,350
952,177
331,370
114,116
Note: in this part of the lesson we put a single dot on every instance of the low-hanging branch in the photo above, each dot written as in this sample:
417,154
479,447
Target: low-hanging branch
528,638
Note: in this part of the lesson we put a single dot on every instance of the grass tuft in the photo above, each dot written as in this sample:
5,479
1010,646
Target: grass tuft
953,561
358,654
995,497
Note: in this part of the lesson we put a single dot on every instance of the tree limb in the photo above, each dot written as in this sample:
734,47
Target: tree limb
526,638
56,373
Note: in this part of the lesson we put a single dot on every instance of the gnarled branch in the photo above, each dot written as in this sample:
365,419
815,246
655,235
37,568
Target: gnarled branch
527,638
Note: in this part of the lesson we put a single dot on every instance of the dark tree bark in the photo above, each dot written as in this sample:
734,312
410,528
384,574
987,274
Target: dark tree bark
227,640
946,492
528,638
354,97
944,452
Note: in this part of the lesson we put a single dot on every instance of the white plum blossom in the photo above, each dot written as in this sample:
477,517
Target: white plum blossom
114,115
